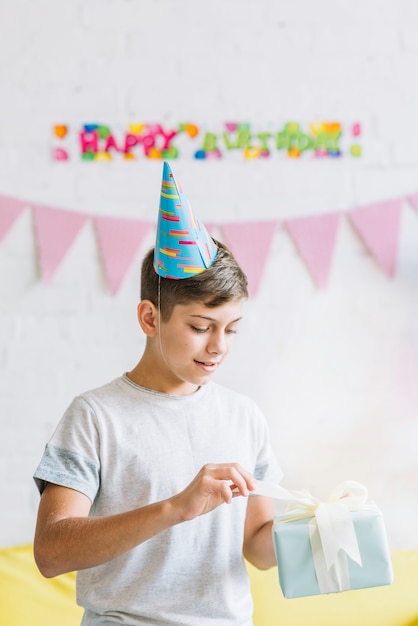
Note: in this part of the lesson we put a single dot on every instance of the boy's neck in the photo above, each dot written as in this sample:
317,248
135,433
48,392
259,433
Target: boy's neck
149,376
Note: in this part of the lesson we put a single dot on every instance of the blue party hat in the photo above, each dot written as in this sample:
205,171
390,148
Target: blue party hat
183,247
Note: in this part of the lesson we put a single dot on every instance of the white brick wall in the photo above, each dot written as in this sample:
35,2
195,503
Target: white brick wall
335,371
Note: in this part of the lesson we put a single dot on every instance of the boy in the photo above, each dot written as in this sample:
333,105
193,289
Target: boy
136,479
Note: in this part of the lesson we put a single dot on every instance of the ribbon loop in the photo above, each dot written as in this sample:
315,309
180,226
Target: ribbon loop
352,493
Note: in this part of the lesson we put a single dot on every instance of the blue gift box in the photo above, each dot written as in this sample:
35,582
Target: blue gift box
295,560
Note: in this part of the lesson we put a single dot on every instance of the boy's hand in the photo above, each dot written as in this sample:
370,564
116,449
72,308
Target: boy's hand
214,485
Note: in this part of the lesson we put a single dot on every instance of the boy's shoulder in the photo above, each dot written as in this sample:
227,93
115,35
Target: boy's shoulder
107,392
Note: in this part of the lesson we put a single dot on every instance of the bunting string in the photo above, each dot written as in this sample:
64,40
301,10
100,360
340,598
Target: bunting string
119,239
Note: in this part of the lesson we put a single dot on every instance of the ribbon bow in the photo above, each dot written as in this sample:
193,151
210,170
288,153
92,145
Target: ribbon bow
331,530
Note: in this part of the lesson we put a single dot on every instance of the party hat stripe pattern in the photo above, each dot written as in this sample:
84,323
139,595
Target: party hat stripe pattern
170,218
172,253
169,195
193,270
187,249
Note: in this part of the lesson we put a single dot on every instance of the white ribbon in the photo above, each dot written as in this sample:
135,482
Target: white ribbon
331,530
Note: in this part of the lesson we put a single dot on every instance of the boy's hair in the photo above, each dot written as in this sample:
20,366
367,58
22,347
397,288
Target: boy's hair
224,281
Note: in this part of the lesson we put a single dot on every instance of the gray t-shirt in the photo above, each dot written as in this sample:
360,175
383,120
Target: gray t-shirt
124,447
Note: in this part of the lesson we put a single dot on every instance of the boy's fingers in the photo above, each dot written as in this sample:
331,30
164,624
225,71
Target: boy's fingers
237,480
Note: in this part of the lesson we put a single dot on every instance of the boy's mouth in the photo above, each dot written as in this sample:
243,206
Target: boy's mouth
207,364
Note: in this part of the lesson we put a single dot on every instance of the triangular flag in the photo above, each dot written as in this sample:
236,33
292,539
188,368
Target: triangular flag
10,210
250,244
413,200
378,225
314,237
55,231
119,240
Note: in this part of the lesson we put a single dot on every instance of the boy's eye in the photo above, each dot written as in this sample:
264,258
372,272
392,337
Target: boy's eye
228,331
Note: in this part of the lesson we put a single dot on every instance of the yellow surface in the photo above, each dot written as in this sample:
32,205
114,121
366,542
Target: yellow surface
391,605
28,599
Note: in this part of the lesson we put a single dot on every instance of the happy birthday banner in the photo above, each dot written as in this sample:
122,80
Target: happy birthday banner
99,142
119,239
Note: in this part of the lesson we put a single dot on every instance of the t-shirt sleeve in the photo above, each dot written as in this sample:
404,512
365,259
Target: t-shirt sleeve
71,457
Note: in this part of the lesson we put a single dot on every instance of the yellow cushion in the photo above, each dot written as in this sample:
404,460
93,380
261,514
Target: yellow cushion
29,599
391,605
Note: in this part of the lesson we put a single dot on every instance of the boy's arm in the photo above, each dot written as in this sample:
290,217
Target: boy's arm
67,539
258,543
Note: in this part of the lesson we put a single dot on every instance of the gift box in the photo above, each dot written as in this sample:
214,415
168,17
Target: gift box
329,547
294,554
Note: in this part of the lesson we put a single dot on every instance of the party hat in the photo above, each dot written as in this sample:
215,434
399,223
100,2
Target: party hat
183,247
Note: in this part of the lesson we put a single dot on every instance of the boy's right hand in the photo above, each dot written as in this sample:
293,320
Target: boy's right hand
214,485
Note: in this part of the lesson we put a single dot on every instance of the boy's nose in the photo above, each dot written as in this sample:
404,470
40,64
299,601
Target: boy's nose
217,344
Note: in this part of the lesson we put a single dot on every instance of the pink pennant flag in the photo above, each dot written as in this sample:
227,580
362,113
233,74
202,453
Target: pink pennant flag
10,210
55,231
314,237
413,200
119,240
250,243
378,225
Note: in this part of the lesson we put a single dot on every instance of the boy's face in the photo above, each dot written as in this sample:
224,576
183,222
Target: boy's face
194,342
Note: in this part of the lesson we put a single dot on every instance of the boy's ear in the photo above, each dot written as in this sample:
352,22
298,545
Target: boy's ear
148,317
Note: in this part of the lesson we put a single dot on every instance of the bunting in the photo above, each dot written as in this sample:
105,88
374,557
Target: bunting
250,244
378,225
55,232
10,210
314,238
119,239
